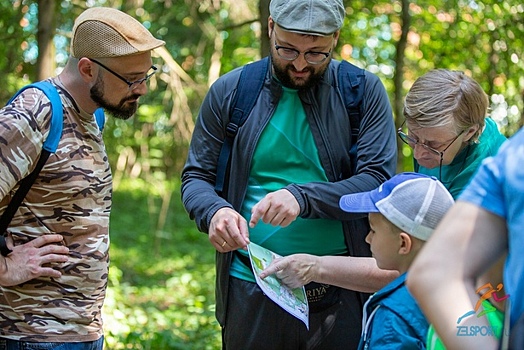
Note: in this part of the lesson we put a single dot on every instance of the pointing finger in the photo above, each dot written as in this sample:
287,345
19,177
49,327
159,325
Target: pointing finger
275,266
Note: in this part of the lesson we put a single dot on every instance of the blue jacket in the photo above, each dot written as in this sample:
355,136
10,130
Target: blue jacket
393,319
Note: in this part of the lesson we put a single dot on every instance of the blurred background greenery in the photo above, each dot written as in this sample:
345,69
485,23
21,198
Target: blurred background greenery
161,283
161,279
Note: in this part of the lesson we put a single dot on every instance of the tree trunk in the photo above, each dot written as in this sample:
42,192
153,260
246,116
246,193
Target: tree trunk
45,64
399,77
263,10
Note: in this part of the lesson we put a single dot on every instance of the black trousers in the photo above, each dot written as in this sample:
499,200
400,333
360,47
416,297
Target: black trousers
254,321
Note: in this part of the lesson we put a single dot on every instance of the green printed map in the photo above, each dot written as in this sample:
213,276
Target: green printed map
293,300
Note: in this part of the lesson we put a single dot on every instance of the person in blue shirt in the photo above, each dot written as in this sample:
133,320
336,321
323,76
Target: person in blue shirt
486,223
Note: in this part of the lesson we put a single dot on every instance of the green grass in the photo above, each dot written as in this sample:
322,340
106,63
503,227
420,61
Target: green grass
162,274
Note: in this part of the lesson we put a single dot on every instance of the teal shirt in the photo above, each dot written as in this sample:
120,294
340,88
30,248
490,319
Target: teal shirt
457,175
286,153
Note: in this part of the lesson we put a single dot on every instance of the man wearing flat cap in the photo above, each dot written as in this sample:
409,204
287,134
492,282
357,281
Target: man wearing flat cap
289,164
54,263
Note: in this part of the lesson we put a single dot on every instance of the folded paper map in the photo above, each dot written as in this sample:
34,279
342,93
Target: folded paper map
293,300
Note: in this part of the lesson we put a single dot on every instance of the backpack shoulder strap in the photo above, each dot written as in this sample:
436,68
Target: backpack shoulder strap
55,131
100,118
249,86
49,146
351,82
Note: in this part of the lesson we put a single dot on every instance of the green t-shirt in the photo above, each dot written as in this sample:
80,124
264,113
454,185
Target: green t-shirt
457,175
286,153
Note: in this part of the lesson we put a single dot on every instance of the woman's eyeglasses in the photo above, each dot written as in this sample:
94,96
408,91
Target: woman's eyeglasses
411,142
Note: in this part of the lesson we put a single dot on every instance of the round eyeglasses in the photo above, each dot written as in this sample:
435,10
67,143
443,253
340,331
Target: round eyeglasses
131,84
311,57
412,142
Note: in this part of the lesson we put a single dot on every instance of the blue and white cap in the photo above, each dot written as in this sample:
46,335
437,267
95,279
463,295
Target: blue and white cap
413,202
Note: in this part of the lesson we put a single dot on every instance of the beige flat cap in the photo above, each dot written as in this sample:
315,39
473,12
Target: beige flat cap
101,32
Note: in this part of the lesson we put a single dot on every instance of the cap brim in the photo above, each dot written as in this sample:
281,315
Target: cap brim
358,203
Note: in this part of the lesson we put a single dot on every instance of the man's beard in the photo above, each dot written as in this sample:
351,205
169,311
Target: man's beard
120,110
283,74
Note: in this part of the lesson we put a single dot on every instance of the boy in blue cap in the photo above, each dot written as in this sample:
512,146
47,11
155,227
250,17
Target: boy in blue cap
403,212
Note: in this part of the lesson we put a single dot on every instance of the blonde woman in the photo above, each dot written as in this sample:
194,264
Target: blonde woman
448,128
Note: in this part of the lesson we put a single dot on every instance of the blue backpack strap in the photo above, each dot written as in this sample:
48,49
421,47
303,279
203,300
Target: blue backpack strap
100,118
351,83
55,131
249,86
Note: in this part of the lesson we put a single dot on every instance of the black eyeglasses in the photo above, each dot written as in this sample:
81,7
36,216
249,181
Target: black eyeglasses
131,84
311,57
411,142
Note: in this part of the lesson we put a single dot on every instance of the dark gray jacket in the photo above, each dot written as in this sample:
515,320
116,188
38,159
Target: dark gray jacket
329,123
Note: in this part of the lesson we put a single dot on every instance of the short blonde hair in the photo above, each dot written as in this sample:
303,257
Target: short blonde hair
442,97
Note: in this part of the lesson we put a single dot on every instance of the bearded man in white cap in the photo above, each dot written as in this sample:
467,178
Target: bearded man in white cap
54,263
289,162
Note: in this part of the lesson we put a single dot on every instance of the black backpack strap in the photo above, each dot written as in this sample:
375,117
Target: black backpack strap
249,86
49,146
3,247
20,194
351,83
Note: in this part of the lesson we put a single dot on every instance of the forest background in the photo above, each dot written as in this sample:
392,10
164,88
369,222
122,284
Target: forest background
161,283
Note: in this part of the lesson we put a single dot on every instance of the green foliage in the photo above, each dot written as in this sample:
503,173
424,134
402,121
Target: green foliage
14,40
482,38
161,282
161,288
209,38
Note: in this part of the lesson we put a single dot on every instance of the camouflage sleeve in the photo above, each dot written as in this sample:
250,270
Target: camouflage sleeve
24,124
